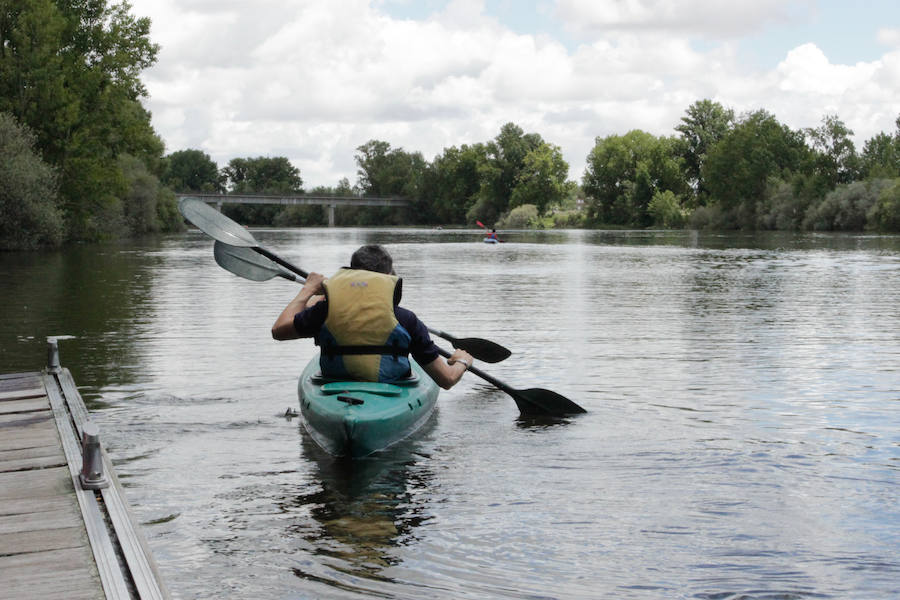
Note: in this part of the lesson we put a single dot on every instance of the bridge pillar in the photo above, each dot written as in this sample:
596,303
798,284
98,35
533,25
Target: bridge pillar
219,206
331,215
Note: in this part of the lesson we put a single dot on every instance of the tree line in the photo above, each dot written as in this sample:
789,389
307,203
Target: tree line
718,172
80,161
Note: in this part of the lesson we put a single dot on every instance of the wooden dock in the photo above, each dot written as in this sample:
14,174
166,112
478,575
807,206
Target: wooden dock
57,539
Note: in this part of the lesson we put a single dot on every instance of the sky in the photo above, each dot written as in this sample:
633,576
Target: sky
313,80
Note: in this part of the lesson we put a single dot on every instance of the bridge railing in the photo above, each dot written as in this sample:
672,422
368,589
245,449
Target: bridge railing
330,201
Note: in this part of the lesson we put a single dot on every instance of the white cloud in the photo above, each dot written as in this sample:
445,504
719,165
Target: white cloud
313,80
711,18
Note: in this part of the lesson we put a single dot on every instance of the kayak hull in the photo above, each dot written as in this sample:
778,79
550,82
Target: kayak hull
358,418
491,241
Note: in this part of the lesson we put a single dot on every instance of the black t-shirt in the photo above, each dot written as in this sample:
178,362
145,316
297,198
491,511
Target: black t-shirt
421,346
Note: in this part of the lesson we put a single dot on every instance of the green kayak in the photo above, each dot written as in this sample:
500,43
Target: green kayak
357,418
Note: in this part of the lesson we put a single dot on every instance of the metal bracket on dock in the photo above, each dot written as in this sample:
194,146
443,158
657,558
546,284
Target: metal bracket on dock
92,477
53,365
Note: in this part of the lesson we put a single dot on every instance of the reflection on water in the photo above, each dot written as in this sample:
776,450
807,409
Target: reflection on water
742,439
364,510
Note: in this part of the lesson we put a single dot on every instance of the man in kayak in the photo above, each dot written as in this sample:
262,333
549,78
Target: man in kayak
363,334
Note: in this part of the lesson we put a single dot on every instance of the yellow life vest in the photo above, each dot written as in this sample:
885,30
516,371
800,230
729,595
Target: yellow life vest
361,337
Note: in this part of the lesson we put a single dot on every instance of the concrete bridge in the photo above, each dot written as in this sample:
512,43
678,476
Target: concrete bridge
330,201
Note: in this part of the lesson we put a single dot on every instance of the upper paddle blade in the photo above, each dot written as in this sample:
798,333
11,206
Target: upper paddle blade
537,401
480,349
215,224
247,263
483,350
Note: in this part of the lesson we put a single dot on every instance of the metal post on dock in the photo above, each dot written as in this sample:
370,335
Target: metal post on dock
92,477
52,355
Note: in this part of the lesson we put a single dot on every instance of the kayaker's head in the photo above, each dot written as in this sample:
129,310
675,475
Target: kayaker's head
372,257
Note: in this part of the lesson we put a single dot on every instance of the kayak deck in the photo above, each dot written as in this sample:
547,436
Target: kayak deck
358,418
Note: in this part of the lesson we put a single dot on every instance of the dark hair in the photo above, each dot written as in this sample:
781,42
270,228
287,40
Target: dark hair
372,257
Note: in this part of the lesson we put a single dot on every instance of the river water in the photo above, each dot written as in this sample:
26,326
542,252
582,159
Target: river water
742,439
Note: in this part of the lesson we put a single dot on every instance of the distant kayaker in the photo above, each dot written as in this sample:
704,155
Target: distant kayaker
362,331
492,235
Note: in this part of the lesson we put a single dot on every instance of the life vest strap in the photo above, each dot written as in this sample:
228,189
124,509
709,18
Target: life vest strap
394,351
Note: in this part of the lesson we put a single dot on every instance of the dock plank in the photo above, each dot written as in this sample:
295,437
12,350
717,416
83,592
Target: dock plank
18,406
37,484
55,573
28,435
27,542
58,518
20,394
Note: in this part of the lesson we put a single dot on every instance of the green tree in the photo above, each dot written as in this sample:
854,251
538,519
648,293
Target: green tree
148,206
666,210
881,155
383,171
836,160
499,173
623,174
29,215
705,123
542,179
452,182
192,171
263,175
739,166
885,214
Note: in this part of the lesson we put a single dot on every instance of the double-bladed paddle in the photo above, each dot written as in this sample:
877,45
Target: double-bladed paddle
245,263
222,229
531,402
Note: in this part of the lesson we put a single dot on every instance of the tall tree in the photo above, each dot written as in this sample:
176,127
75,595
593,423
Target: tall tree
542,180
262,175
452,182
624,173
836,160
505,161
738,168
383,171
705,123
881,155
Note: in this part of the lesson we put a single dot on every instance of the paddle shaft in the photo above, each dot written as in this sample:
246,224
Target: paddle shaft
281,261
476,371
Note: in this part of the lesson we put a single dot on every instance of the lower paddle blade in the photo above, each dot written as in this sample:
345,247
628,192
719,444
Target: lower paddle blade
215,224
537,401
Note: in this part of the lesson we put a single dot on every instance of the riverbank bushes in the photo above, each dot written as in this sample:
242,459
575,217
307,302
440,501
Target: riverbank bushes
29,202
